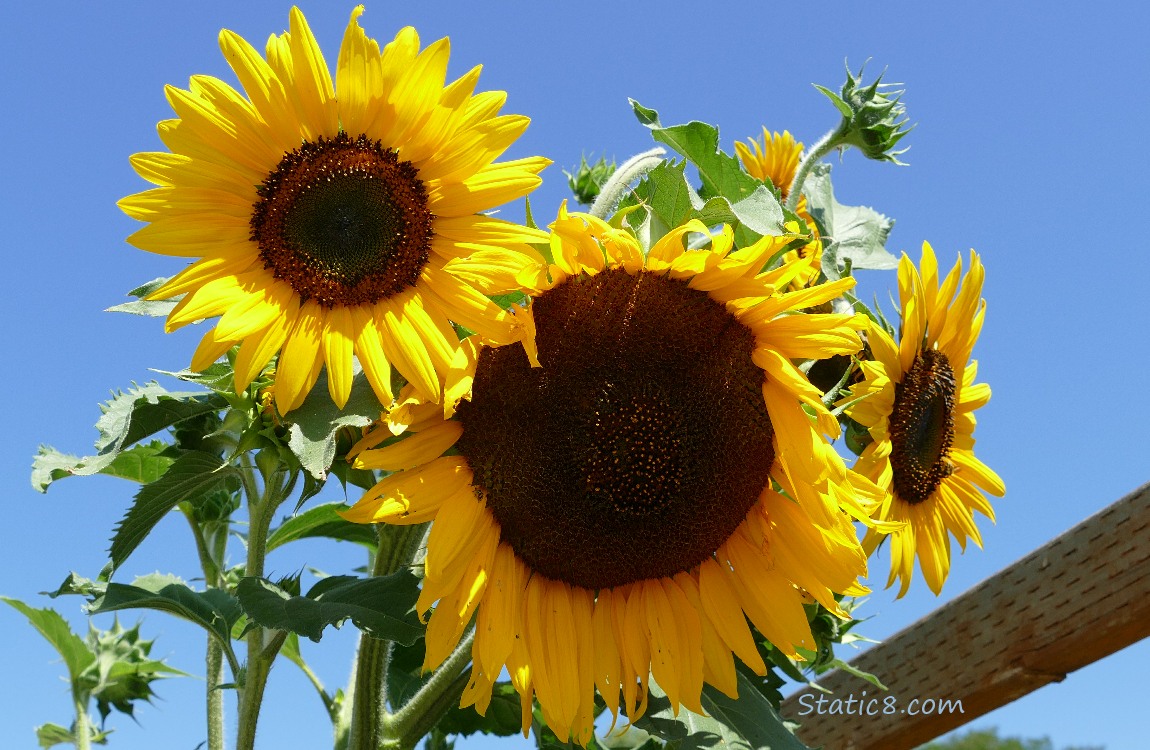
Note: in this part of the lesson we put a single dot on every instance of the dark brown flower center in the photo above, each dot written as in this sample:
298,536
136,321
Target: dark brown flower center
922,427
640,444
344,221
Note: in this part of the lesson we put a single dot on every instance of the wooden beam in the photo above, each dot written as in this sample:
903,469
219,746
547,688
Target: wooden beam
1081,597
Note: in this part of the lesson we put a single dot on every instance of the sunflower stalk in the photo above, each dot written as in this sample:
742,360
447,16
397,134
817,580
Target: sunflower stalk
215,696
829,142
277,485
211,562
398,546
82,730
620,181
403,729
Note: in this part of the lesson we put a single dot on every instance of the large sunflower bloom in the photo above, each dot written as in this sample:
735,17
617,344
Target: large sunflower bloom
776,159
333,220
618,511
919,408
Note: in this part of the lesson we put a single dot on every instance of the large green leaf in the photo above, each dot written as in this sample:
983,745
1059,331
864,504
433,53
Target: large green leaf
382,607
322,521
721,173
128,418
215,610
191,476
669,200
313,435
749,723
55,629
728,195
854,234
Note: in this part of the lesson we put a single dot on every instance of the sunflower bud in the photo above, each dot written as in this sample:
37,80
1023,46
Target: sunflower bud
588,179
123,671
874,117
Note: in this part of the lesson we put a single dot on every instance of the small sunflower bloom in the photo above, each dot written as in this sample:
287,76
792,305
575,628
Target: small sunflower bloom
920,399
618,510
776,158
337,218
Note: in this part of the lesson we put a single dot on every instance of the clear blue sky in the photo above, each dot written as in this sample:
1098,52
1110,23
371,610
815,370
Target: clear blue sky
1030,148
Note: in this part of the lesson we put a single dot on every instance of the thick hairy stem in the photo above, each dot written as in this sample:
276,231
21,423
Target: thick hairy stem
407,726
397,548
215,696
813,156
211,558
260,655
83,730
620,181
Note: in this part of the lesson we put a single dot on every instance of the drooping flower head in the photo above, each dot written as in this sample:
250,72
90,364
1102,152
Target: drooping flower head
332,219
919,408
622,495
776,159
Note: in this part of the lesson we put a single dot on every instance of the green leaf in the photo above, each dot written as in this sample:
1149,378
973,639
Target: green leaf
312,437
191,476
648,117
55,629
749,723
215,610
837,663
75,584
143,463
854,234
217,376
630,738
728,194
50,735
128,418
670,201
503,717
843,108
667,195
722,174
382,607
322,521
151,308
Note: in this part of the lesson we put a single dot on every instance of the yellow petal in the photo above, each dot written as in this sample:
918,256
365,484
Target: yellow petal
413,450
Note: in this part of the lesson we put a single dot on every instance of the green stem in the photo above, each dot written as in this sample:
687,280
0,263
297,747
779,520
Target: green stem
261,652
397,547
813,156
329,705
406,727
83,727
215,668
210,562
620,181
341,738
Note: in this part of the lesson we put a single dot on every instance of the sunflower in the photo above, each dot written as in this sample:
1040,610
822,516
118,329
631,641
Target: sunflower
919,409
332,221
777,159
620,497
